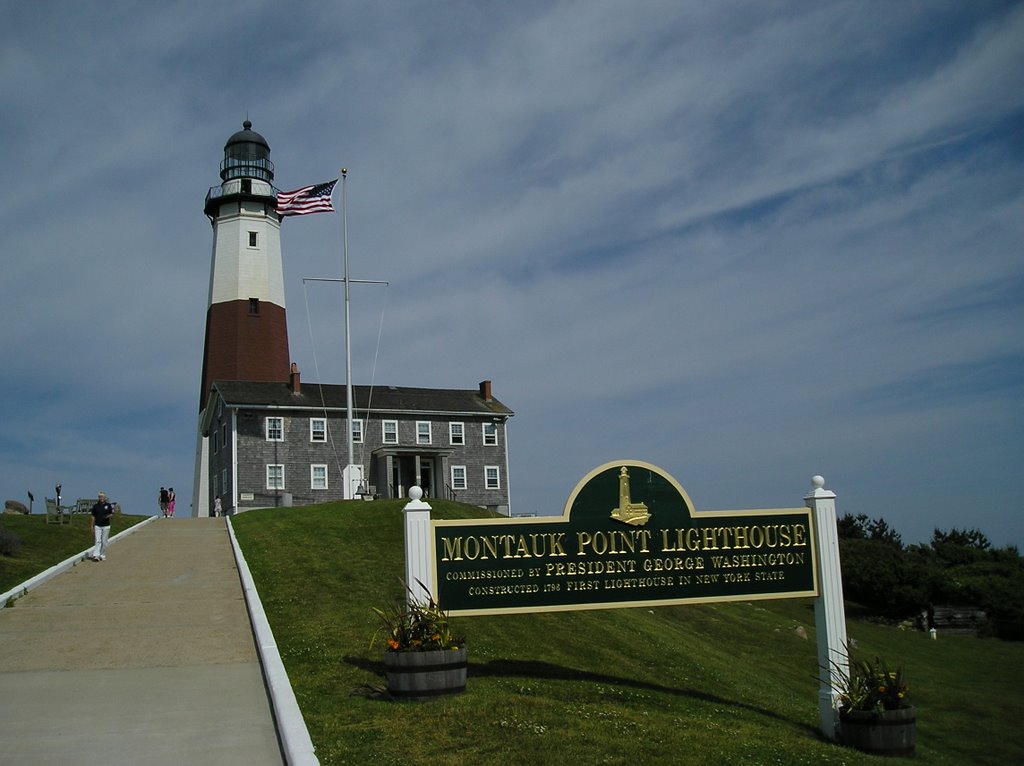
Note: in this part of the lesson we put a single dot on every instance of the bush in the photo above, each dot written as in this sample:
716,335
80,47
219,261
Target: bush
10,543
881,577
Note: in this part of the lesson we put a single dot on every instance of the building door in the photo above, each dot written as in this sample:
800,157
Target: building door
427,476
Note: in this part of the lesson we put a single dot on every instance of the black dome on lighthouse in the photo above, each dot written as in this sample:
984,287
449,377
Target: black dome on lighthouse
247,155
247,136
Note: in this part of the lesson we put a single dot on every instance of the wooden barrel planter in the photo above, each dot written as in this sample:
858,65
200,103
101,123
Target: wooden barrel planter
891,732
425,675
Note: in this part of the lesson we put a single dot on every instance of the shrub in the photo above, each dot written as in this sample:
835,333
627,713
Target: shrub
10,543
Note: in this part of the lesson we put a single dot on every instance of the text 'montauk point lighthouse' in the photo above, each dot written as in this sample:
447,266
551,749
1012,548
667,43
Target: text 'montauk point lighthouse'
246,328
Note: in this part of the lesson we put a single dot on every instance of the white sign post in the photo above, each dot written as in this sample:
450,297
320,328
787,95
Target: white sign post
829,615
418,549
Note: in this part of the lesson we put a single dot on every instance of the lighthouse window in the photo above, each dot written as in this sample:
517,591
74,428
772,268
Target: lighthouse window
275,477
490,434
423,432
318,476
252,239
458,477
275,429
492,477
254,306
457,433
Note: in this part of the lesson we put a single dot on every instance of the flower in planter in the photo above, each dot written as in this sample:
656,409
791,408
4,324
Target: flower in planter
872,686
416,626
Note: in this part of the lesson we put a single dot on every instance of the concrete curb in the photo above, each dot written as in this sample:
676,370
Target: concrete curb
34,582
291,726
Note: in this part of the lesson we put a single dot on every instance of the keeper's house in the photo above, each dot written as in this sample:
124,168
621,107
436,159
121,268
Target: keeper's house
278,444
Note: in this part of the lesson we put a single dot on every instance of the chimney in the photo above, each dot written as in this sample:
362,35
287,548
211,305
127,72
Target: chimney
293,379
485,390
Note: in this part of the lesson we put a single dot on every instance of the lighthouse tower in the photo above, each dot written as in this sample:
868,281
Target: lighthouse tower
246,329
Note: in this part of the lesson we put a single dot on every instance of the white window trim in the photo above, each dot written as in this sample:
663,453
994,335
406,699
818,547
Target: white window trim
465,479
430,432
275,465
312,476
497,475
312,430
249,238
484,436
266,428
462,434
357,430
384,432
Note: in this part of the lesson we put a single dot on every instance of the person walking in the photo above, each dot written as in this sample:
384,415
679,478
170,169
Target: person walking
101,513
217,509
163,501
171,497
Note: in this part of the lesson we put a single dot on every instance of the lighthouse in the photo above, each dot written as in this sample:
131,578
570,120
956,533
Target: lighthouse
246,328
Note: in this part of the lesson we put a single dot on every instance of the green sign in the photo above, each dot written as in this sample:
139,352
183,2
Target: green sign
629,536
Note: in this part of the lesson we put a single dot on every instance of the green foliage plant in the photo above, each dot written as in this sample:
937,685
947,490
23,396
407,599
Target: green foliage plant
10,543
415,626
872,686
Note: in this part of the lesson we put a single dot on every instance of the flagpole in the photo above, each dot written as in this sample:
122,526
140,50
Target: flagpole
347,491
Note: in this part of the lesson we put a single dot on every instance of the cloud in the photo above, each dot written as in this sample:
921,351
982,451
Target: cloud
747,242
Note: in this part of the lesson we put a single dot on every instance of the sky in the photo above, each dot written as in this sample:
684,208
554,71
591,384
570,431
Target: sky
746,242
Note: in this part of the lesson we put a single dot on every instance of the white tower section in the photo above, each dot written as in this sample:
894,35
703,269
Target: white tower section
246,261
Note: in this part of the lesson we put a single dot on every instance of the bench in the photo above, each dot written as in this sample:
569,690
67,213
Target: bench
85,505
57,514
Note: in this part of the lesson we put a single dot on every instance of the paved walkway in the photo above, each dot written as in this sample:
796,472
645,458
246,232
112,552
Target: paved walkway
147,657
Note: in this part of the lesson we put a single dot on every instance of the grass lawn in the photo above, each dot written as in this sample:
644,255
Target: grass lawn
710,684
43,545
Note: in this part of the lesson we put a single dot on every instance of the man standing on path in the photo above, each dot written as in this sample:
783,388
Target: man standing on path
101,513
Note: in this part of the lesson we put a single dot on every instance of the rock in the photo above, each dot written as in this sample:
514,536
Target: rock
801,632
15,506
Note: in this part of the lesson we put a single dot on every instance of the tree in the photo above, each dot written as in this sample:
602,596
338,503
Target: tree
860,527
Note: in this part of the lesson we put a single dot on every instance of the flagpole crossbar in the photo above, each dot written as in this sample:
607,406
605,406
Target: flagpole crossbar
343,279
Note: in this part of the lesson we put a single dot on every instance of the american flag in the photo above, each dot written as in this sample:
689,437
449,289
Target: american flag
308,199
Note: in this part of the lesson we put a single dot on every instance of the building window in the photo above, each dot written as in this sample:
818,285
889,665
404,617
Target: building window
275,429
390,431
254,306
252,239
224,436
318,476
490,434
357,431
318,429
458,477
215,485
275,477
492,477
214,442
457,433
423,432
223,479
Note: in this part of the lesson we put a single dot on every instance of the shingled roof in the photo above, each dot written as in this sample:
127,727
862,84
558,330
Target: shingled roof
378,399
